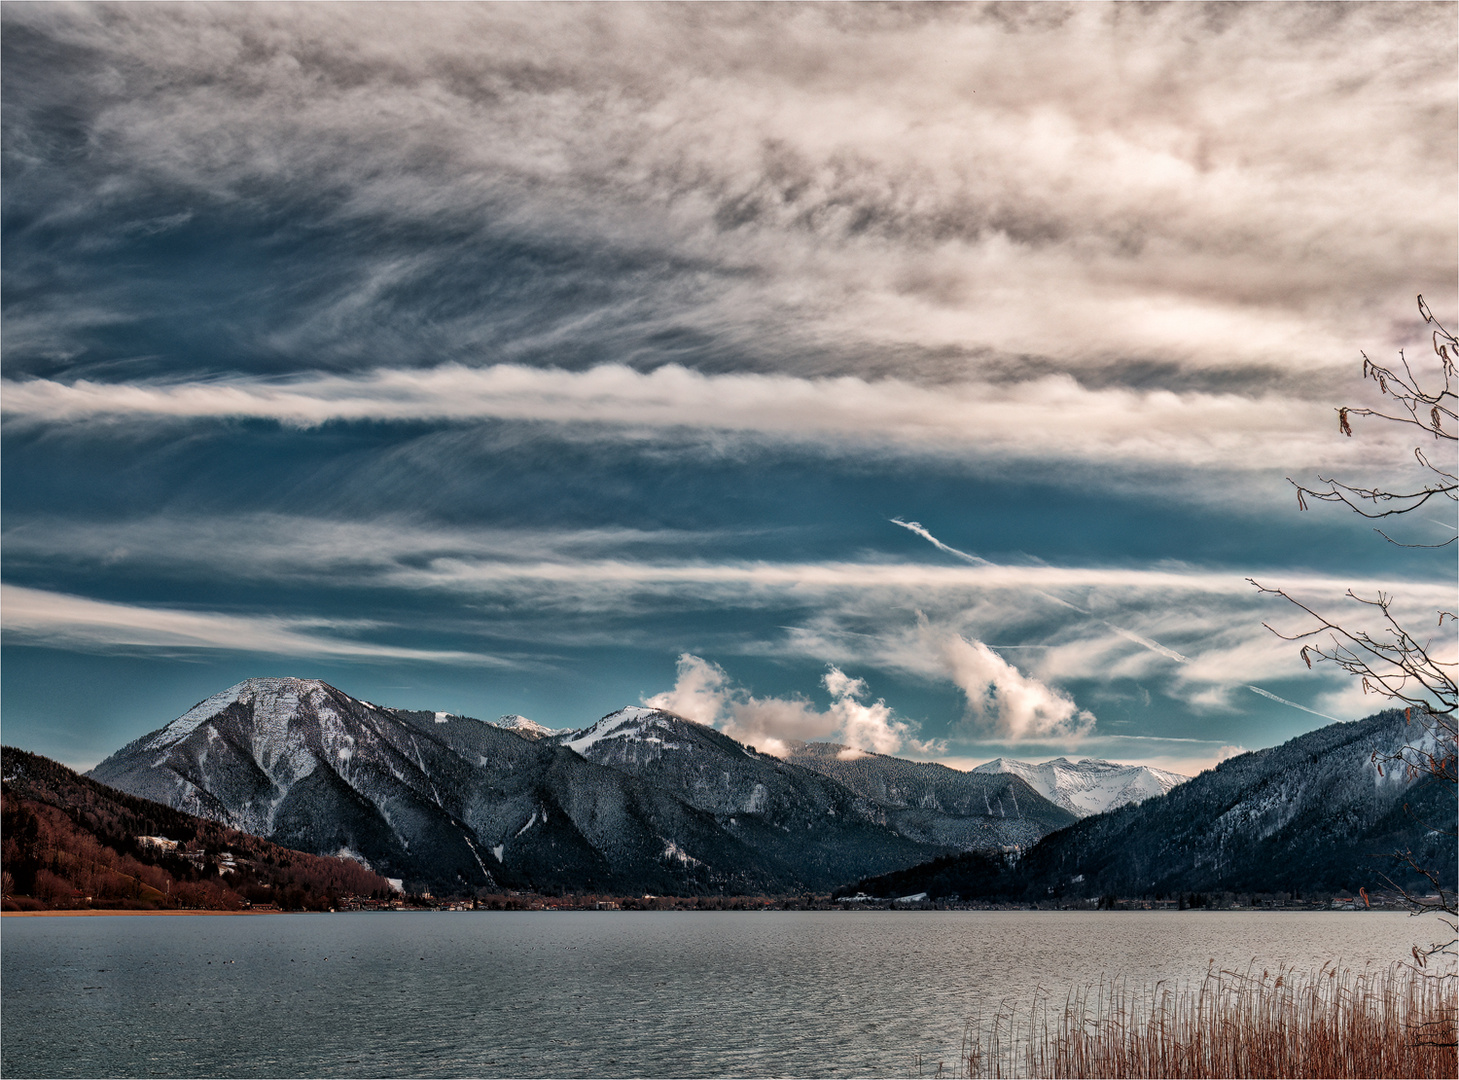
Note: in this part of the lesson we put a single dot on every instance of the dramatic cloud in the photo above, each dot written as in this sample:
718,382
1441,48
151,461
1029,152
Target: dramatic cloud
1009,703
703,692
587,336
1092,187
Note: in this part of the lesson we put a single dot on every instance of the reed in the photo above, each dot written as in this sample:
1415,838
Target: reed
1396,1022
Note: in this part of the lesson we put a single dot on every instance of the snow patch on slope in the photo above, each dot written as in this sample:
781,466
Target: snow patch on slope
674,851
347,852
532,821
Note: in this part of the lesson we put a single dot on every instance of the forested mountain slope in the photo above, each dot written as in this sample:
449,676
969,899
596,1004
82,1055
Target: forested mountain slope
1312,815
70,841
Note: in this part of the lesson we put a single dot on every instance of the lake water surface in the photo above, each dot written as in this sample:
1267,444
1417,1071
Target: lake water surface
593,994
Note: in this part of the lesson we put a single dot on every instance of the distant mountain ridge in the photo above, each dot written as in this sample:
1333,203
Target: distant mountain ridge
1090,785
642,800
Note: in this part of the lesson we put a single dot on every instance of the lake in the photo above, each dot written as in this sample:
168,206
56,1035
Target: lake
593,994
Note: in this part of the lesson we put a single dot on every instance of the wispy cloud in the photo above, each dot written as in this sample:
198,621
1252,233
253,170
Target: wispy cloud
388,282
400,553
350,551
1052,418
1098,187
1034,701
35,616
747,578
1194,628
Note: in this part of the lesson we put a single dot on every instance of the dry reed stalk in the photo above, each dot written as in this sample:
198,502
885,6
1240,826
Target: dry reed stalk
1397,1022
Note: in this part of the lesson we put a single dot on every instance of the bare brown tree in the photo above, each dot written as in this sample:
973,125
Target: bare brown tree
1393,661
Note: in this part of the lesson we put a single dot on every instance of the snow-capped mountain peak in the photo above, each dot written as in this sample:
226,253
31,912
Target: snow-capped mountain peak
1089,785
274,697
631,722
528,729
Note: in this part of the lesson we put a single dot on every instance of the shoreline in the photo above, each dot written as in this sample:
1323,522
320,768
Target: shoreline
72,913
92,912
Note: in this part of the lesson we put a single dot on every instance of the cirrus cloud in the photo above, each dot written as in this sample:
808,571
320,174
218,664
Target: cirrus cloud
40,617
1052,418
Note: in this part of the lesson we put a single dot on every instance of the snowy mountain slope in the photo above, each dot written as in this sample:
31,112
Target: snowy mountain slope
302,763
1088,786
1313,813
932,802
453,802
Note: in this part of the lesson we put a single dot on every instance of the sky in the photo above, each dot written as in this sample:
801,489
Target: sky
921,378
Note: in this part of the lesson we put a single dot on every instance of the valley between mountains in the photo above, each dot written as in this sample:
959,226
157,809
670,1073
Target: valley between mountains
645,801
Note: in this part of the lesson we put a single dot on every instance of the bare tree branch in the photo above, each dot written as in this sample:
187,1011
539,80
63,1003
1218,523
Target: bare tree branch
1392,661
1430,409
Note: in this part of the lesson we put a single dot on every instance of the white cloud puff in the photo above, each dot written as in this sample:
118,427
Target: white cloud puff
1008,703
703,692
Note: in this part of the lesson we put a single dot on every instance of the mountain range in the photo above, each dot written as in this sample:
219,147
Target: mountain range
641,800
1317,814
644,800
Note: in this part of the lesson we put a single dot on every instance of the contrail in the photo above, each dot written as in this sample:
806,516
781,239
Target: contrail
1284,701
920,530
1130,635
1153,646
916,527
